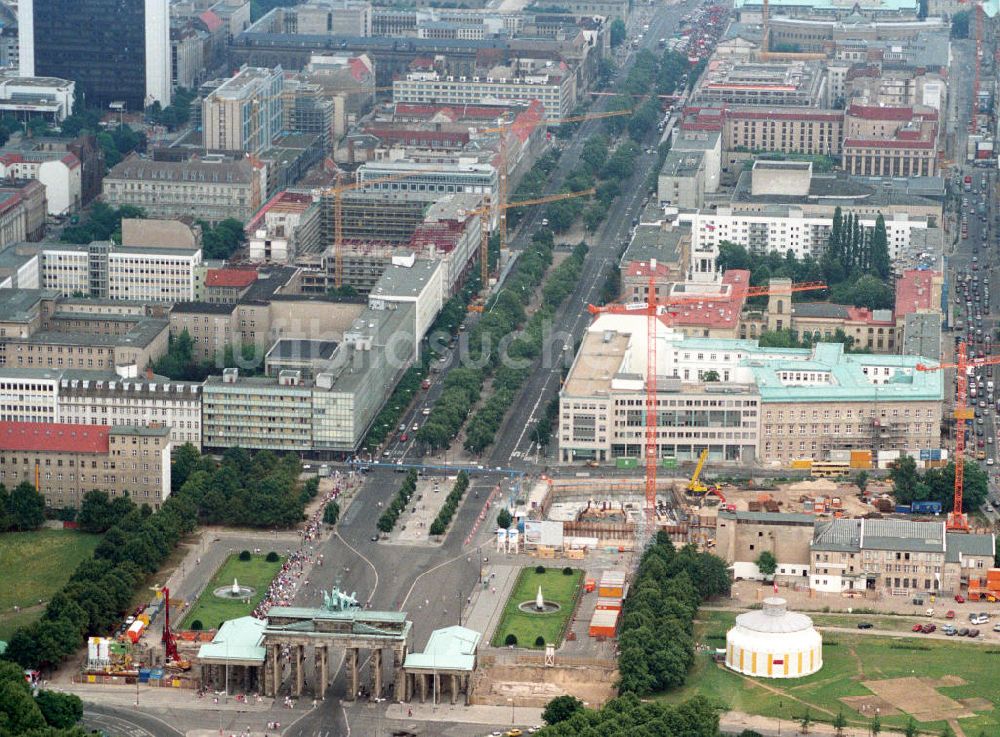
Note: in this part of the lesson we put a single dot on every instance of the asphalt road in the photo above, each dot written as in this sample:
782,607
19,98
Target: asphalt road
513,446
121,723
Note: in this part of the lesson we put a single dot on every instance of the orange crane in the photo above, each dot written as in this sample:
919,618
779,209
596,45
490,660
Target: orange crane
654,308
338,215
957,521
484,227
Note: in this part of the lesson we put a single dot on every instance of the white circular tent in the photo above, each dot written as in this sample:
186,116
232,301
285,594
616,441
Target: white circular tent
774,643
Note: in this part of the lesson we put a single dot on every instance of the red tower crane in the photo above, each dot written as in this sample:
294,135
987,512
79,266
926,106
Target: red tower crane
654,308
957,521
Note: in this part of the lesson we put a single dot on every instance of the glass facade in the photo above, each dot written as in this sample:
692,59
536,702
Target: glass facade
100,44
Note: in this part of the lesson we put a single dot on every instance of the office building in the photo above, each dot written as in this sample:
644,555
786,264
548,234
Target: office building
780,404
25,98
658,251
731,81
212,189
681,182
22,211
65,461
553,86
788,130
890,141
116,51
244,112
327,416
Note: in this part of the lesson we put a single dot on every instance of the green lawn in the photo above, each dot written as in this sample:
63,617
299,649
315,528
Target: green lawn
845,658
33,566
556,587
256,573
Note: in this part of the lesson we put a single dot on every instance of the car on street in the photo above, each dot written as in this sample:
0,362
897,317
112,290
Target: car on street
865,625
916,628
950,614
928,628
959,598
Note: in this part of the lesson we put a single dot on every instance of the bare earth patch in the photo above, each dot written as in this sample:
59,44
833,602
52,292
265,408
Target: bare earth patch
917,697
977,704
866,705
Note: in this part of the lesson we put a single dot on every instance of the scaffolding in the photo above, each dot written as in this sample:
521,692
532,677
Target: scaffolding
372,217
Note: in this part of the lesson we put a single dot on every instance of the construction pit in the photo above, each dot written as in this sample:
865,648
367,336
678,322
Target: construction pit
594,512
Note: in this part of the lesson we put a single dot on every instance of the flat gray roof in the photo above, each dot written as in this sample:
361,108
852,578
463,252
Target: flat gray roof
405,281
290,348
18,305
141,335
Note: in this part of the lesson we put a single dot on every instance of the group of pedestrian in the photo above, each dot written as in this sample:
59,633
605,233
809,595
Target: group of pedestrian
284,586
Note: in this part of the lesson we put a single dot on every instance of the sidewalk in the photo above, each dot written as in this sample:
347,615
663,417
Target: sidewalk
490,715
483,614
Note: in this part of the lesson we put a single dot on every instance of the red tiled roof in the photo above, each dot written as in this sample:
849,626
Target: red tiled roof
715,313
886,143
526,123
863,314
230,277
211,20
914,292
419,137
880,112
359,70
54,437
642,269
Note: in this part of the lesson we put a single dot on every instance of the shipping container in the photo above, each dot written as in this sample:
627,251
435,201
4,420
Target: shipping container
604,623
609,602
861,459
803,463
612,584
135,631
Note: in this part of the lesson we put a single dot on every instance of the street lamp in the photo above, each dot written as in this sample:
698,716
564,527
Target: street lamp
511,711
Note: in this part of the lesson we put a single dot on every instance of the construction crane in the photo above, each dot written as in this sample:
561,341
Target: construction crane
694,485
654,309
957,520
171,655
338,215
484,213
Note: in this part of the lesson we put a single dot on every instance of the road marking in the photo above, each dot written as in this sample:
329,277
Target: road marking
347,723
429,570
370,564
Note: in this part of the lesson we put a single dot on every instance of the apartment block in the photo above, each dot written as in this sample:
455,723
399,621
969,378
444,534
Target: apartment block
895,557
211,189
65,461
58,171
787,130
244,112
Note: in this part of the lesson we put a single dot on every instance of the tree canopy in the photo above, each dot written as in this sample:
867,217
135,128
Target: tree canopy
938,484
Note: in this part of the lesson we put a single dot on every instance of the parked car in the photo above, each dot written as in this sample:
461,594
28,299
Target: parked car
949,630
973,633
916,628
950,614
959,598
964,631
928,628
864,625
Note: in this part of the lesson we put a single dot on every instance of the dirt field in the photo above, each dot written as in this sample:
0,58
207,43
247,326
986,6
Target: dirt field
918,697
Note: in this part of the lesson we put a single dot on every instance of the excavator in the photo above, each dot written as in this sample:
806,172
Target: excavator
694,486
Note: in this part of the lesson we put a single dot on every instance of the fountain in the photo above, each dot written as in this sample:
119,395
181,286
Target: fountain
539,605
235,591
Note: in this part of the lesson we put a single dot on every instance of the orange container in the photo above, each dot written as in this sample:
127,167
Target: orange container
604,623
612,603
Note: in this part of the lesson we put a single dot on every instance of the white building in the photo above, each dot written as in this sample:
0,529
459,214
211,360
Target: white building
59,171
29,395
101,398
786,228
244,112
47,97
120,272
411,280
429,182
774,643
554,86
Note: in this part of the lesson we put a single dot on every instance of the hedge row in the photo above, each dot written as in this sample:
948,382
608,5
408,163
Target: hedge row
389,517
440,523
